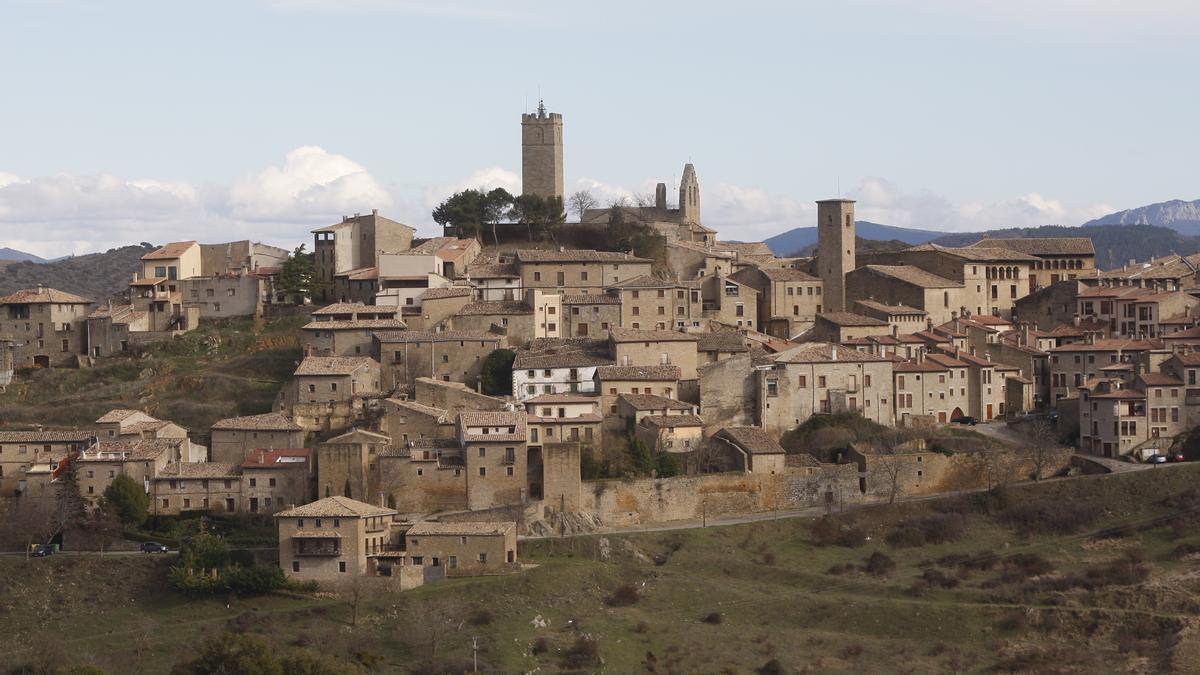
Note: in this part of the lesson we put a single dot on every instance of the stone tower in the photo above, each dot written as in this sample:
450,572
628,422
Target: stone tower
542,153
689,196
835,250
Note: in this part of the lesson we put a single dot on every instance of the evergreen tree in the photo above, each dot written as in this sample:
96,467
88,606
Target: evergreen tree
496,373
298,276
70,507
126,498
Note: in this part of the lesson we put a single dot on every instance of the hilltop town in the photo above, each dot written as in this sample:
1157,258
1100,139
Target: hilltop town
579,368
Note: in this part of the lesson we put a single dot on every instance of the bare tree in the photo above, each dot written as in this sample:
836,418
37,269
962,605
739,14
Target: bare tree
25,520
435,619
885,464
581,201
353,590
643,200
1040,446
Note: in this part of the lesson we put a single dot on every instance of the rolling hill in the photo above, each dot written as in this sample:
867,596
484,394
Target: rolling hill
14,255
795,240
96,276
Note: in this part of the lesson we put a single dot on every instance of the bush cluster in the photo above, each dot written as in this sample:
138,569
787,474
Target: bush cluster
934,529
827,531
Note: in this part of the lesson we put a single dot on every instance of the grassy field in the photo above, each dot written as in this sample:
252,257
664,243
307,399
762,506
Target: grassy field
1103,579
223,368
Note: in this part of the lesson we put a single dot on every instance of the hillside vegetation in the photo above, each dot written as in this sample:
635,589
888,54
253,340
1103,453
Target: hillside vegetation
1115,244
221,369
96,276
1073,576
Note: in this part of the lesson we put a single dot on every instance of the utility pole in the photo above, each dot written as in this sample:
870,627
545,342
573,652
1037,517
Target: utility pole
562,515
475,654
704,513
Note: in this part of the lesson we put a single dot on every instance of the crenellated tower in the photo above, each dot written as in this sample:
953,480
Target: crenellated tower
542,153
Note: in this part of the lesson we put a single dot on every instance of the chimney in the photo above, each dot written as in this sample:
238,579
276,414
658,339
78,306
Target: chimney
895,330
1075,320
660,196
374,212
833,353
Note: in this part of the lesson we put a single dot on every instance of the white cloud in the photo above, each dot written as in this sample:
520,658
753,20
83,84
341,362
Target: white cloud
310,185
882,201
486,179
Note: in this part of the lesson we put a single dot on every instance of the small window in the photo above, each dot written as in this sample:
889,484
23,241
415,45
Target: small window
341,565
295,565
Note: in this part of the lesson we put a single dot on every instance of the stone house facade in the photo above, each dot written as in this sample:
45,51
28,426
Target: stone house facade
329,540
449,356
822,378
45,327
590,315
234,438
464,548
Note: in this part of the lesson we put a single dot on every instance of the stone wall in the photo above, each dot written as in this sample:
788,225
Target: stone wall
728,391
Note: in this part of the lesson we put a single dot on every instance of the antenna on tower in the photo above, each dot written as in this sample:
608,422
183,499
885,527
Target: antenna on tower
839,187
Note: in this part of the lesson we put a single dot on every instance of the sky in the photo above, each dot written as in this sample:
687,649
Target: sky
123,122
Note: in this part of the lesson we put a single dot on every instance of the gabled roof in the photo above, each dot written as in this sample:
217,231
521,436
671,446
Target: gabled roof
397,336
562,353
912,275
652,402
355,432
352,308
198,470
1161,380
118,415
562,398
638,373
850,319
494,308
447,292
274,458
642,281
432,529
266,422
672,421
620,335
927,366
49,436
576,255
168,251
822,352
884,308
333,365
752,439
43,295
725,341
978,253
590,300
356,324
1041,245
335,507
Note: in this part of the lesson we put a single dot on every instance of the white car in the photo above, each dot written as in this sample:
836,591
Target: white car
1157,459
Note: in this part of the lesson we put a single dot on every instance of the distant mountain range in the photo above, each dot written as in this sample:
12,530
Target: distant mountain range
1181,216
1133,234
799,239
19,256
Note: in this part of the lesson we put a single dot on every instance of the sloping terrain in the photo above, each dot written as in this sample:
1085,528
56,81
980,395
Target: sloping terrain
793,241
1011,584
96,276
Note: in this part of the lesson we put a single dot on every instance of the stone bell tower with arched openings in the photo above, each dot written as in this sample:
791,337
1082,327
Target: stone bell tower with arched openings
835,249
542,153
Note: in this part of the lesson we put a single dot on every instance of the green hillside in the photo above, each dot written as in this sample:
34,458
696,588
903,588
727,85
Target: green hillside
1086,575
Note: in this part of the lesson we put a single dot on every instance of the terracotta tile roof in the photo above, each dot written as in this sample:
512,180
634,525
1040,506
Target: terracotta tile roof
48,436
590,300
117,415
890,309
335,507
1113,344
120,314
620,335
562,398
198,470
333,365
354,433
132,450
672,421
277,458
642,281
266,422
1189,359
357,324
417,407
43,295
978,253
576,255
316,534
1040,246
1185,334
638,373
850,319
488,267
912,275
562,353
350,308
398,336
928,366
168,251
721,342
745,248
821,352
447,292
360,274
653,402
946,360
1161,380
753,440
493,308
989,320
509,419
432,529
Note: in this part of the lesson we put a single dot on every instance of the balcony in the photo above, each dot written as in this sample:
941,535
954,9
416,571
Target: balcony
316,543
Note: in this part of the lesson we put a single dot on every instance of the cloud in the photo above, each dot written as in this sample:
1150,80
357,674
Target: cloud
310,185
486,179
882,201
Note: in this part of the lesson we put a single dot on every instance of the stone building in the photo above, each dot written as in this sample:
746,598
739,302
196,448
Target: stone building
45,327
562,366
822,378
648,302
334,379
346,464
670,433
349,333
717,346
495,452
1059,258
631,347
1071,365
277,478
940,298
465,548
934,388
405,420
902,318
424,475
234,438
495,278
21,450
835,250
450,356
189,486
542,153
330,539
515,320
612,381
109,328
354,244
754,450
577,272
402,277
1132,311
839,327
552,418
675,224
141,460
788,299
590,315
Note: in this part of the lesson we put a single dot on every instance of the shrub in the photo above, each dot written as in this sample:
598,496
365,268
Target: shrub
127,499
540,646
481,617
623,596
713,618
934,529
852,651
1013,621
827,531
844,568
879,564
935,577
1184,550
905,536
585,652
772,667
1048,516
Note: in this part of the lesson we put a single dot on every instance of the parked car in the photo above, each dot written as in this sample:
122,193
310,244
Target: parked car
154,547
43,550
1052,415
1157,459
1177,457
965,419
